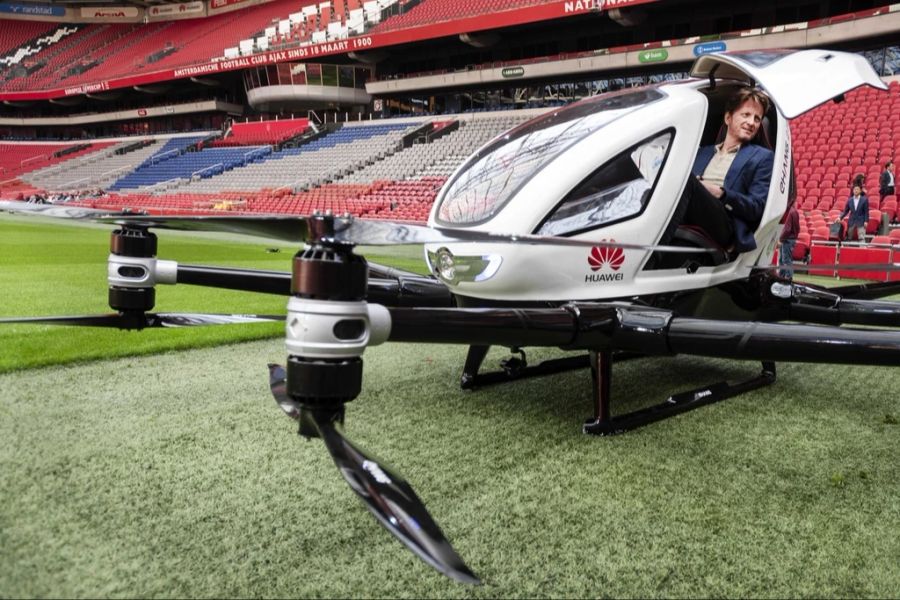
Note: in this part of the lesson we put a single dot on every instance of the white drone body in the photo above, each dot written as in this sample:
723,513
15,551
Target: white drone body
612,168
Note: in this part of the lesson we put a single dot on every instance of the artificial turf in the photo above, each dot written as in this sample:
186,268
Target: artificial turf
47,268
177,475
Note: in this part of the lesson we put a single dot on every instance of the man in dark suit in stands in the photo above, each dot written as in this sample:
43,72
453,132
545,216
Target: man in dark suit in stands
728,192
886,181
858,209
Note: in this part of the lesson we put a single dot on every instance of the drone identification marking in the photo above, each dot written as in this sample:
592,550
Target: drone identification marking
601,258
785,166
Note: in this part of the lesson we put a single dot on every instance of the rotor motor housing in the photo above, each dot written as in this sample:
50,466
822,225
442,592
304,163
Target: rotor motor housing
131,243
329,325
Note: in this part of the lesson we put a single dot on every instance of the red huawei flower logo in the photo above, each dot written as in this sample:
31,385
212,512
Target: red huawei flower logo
602,256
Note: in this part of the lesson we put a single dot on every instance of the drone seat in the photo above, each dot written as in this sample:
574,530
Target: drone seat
693,235
712,253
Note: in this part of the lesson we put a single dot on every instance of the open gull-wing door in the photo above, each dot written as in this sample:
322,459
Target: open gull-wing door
797,80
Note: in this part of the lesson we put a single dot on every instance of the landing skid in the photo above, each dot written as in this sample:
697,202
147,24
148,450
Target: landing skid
603,423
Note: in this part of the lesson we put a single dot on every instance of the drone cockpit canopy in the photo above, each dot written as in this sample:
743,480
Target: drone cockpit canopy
612,168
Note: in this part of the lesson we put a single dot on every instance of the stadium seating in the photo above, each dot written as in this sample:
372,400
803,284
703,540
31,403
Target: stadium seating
363,168
18,159
149,170
16,34
320,161
121,50
262,132
442,156
436,11
93,170
835,143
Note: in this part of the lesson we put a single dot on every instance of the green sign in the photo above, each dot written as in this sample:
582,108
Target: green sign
510,72
651,56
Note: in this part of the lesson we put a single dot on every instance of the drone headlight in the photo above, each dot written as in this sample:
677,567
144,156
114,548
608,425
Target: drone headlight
455,269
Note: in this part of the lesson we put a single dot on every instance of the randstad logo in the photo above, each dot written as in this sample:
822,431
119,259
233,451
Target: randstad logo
604,258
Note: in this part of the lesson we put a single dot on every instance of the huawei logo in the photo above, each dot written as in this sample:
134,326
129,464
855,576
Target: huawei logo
604,256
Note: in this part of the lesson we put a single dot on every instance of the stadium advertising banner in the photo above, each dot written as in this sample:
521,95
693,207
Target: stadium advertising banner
172,11
215,4
35,10
506,18
110,13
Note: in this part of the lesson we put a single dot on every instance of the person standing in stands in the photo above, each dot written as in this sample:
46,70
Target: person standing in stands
886,182
858,209
788,240
728,192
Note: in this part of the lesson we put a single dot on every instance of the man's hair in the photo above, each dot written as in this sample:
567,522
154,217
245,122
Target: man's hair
888,163
737,99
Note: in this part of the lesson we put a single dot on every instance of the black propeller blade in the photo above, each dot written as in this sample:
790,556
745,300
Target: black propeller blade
138,320
60,211
347,229
385,493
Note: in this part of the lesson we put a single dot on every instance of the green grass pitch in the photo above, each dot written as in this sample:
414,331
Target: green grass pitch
157,464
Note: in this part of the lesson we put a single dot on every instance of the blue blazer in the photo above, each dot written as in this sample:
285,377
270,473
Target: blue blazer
858,217
746,188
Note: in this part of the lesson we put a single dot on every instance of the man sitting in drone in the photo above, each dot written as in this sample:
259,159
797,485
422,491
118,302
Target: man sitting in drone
727,194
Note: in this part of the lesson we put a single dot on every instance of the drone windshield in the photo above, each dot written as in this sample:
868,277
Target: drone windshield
496,173
618,190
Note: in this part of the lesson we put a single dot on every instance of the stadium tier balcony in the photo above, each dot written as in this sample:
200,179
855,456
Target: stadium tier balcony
123,50
318,22
67,56
201,40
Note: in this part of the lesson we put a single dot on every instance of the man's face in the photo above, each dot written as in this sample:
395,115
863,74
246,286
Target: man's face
744,122
857,190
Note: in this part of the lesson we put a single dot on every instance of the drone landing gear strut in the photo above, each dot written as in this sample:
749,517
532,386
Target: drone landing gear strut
604,424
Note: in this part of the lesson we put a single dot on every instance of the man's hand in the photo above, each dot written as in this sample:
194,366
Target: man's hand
715,190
